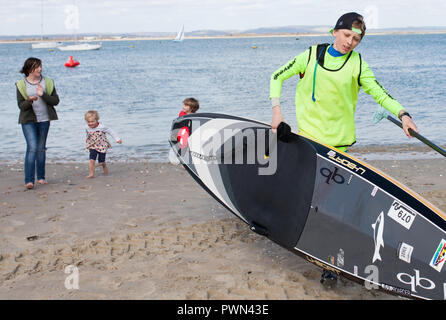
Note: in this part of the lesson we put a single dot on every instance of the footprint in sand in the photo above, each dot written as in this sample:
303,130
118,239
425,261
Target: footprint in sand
183,253
123,206
17,223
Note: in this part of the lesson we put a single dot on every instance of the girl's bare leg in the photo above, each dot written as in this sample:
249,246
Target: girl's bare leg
104,166
91,167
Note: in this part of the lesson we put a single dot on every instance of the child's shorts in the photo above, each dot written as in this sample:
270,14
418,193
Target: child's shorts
96,154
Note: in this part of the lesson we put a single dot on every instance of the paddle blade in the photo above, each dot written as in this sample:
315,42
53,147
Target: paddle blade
379,114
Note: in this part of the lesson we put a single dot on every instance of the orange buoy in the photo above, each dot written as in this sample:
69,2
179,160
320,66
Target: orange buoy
71,63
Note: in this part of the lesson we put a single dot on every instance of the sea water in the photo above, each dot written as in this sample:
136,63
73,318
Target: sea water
138,88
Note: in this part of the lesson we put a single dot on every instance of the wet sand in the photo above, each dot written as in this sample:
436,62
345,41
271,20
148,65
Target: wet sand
148,231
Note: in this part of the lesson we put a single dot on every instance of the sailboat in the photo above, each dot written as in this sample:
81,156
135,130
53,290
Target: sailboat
44,44
72,22
81,47
180,35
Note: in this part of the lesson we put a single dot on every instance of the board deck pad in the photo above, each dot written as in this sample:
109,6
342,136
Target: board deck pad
323,204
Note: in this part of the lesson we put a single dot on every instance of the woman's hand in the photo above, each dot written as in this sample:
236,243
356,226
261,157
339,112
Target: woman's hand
32,99
39,90
119,141
277,118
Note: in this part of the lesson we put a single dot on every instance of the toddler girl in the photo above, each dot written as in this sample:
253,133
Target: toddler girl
97,143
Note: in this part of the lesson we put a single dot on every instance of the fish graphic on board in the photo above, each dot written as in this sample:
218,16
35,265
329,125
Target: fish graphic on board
378,229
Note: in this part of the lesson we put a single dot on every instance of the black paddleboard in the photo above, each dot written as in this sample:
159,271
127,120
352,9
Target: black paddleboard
323,204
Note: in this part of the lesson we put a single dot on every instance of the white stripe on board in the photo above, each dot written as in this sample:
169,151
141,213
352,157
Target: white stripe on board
201,134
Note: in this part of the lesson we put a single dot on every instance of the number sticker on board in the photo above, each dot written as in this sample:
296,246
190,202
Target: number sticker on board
401,215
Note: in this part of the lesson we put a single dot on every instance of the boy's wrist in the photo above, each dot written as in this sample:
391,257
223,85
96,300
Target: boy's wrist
277,110
402,114
275,102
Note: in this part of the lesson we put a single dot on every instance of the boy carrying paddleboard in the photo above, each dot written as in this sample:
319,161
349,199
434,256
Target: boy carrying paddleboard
327,93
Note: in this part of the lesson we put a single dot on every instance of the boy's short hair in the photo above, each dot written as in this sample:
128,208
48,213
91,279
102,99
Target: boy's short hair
91,113
192,103
359,24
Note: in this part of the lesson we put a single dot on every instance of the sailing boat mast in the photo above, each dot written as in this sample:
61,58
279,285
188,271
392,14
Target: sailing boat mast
44,44
76,18
41,20
72,23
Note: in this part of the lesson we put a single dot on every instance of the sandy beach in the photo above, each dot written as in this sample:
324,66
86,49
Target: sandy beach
148,231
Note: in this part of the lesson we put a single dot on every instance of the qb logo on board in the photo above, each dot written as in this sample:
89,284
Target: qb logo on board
416,281
332,175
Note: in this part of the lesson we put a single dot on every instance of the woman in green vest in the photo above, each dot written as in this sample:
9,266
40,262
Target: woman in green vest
36,98
327,93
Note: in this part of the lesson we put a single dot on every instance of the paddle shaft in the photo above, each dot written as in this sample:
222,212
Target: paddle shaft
419,137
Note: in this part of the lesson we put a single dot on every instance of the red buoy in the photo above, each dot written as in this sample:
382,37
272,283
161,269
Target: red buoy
71,63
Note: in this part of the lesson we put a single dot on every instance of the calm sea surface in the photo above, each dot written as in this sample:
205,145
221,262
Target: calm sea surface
138,88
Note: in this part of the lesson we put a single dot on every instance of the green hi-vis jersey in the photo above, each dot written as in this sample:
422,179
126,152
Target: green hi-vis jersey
327,95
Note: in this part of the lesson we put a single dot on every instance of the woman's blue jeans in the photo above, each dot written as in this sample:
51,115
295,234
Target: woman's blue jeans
35,135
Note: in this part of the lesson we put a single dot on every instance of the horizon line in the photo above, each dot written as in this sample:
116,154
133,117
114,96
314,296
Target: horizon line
227,31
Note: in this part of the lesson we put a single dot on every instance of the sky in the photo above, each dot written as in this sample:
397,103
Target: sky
23,17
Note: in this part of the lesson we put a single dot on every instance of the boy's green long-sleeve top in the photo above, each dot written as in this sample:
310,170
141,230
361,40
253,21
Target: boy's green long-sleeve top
327,95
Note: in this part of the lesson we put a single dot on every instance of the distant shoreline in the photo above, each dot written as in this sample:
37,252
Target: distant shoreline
228,36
